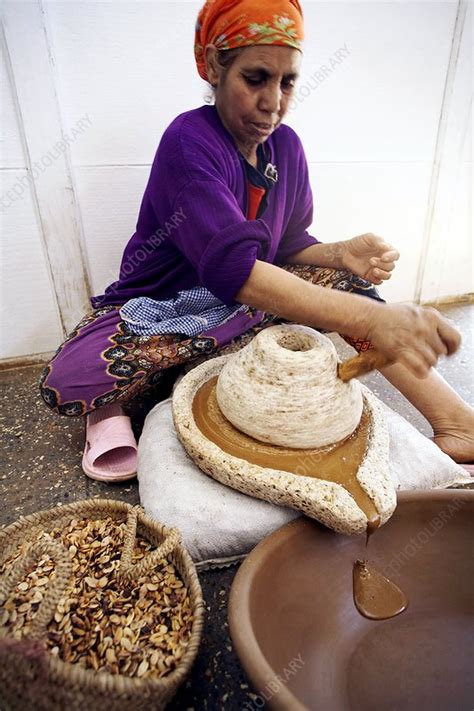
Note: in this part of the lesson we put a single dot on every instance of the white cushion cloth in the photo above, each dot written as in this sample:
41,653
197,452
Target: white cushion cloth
219,524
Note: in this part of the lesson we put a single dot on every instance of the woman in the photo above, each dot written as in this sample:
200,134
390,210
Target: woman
222,250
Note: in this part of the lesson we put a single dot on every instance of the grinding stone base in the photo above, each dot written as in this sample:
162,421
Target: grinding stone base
325,501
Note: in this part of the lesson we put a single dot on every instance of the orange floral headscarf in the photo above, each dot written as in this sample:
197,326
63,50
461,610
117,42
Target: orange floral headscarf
228,24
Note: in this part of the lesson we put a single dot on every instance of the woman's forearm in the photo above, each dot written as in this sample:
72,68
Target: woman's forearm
320,254
411,335
276,291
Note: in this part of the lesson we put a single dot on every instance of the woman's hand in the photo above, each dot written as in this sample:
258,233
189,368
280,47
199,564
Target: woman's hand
369,257
413,335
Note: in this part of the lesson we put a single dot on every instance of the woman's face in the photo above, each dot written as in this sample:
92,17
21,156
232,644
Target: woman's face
253,95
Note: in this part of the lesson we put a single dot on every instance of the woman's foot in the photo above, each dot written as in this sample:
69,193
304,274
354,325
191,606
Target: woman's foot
457,445
456,437
451,418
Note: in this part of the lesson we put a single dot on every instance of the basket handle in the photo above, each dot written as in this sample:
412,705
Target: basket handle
129,571
126,573
56,587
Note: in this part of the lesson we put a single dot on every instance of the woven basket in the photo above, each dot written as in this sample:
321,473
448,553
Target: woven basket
30,676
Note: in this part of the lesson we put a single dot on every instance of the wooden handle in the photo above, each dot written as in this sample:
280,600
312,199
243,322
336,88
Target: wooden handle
361,364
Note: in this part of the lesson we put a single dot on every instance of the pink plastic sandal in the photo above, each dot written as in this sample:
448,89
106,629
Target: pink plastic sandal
110,452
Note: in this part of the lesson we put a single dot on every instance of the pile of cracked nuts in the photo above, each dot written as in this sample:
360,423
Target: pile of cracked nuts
136,629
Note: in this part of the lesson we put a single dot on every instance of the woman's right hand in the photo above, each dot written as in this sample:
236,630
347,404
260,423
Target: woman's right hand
412,335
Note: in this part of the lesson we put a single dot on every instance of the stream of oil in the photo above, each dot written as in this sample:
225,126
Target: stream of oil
375,596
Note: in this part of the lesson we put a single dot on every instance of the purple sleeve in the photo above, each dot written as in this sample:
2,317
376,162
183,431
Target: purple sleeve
192,177
216,238
296,236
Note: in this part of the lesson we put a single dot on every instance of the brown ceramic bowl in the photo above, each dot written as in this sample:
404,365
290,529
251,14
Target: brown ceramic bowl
305,646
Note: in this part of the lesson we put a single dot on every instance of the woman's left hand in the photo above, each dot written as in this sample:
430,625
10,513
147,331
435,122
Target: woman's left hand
369,257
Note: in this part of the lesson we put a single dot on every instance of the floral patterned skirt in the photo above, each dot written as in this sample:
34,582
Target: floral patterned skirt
101,362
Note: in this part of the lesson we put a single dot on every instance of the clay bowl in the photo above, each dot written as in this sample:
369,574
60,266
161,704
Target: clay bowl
304,645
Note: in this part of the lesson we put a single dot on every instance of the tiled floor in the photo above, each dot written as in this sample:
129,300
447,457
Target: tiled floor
41,456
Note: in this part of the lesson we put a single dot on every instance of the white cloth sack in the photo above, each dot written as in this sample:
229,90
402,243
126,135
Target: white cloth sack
220,525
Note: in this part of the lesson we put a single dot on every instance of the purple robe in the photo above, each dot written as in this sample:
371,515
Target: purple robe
192,227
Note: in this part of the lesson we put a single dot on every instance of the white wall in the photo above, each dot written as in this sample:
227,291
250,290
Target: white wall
386,129
29,315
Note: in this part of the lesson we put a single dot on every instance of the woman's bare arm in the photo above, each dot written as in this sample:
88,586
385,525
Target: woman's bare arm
411,335
277,291
321,254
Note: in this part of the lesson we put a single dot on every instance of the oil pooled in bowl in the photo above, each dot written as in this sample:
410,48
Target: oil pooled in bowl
375,596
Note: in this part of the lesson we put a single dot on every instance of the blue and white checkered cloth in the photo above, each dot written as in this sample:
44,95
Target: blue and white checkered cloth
190,312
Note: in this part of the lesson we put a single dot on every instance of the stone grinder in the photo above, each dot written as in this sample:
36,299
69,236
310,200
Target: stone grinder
277,421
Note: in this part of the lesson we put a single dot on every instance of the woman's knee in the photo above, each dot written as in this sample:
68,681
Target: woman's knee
63,385
54,385
88,370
